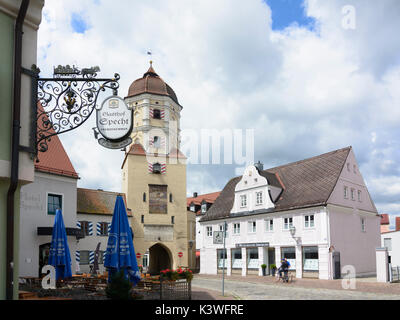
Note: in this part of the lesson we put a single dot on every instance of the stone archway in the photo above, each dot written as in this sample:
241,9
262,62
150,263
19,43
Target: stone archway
160,258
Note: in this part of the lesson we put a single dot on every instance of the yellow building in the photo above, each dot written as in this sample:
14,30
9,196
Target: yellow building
154,176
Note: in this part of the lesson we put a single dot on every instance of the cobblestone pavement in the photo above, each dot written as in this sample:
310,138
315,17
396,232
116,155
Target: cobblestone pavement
265,288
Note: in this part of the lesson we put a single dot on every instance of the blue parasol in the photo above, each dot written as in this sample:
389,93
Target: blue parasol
120,252
59,256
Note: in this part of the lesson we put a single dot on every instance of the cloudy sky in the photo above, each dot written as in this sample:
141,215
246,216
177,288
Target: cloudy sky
307,77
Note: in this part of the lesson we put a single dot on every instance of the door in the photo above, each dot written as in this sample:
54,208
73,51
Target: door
336,265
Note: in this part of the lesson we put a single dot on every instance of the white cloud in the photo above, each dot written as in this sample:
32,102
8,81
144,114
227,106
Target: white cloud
303,92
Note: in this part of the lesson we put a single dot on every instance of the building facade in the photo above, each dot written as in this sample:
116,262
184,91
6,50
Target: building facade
391,240
197,206
95,210
9,10
154,175
54,188
317,213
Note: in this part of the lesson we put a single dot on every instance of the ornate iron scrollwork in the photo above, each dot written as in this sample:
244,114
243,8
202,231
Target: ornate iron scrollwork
66,101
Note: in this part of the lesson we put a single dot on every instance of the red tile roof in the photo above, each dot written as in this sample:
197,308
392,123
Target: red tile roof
91,201
55,159
385,218
208,197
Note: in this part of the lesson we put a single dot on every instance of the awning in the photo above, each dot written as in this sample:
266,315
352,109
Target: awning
48,231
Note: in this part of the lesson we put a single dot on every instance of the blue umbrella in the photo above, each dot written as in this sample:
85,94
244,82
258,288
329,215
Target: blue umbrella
59,255
120,254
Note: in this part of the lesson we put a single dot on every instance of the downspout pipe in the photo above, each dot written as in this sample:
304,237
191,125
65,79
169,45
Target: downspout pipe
15,142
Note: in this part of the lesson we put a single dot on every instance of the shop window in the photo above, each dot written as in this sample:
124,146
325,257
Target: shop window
221,258
310,259
252,258
236,258
290,254
54,202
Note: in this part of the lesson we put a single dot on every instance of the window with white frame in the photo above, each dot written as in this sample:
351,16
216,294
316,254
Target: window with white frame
221,228
309,221
269,225
287,223
353,194
346,192
387,242
259,197
363,224
236,228
243,200
204,208
192,207
252,226
209,231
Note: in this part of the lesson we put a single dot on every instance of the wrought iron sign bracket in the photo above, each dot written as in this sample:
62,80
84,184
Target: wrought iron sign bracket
64,102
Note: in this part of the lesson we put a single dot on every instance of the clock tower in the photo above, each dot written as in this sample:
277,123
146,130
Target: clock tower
154,175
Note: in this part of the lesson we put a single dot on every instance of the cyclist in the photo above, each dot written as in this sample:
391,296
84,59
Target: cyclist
284,268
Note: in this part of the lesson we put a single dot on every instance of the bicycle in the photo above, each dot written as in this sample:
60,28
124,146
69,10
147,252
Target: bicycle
285,277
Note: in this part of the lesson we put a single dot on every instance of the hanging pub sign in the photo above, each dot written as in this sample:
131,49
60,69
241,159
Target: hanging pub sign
114,123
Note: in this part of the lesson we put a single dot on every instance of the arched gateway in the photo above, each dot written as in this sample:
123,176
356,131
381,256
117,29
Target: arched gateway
160,258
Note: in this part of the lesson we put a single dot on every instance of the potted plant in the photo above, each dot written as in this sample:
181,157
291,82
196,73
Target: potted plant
264,267
119,288
272,267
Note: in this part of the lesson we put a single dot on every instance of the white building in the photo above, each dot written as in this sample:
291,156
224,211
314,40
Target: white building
95,210
54,187
391,240
315,212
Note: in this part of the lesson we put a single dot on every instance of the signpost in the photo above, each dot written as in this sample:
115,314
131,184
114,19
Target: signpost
138,255
219,238
180,254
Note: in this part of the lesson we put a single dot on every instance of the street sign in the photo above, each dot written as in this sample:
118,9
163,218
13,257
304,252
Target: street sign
180,254
218,237
138,255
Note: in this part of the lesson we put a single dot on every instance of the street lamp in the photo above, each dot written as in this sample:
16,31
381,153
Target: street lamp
292,230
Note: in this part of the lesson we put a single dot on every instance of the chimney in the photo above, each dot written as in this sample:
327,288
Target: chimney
194,194
397,223
259,166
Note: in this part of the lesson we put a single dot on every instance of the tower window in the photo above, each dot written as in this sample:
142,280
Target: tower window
173,220
156,142
170,197
157,168
142,219
144,196
156,114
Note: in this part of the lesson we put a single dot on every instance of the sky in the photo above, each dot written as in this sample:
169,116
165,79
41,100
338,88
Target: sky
306,77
